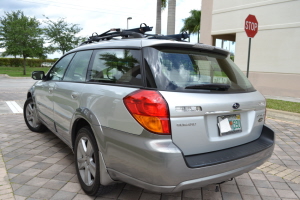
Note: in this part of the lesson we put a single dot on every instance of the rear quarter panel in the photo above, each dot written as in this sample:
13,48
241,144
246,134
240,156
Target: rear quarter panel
106,103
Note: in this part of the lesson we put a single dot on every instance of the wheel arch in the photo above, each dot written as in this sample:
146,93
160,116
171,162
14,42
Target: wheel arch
38,125
29,95
30,92
83,117
79,122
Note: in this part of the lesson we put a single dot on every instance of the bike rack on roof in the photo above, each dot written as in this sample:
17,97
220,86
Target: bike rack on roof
134,33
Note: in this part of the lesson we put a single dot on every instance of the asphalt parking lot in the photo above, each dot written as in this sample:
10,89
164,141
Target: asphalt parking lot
40,166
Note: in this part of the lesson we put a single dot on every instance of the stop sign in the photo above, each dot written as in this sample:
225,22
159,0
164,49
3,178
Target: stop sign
251,26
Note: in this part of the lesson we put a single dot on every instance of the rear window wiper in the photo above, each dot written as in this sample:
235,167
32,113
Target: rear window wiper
213,86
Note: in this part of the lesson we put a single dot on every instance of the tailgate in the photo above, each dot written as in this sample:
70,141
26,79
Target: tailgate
196,119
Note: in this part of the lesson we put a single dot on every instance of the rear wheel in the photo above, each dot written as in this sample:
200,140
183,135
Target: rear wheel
87,163
31,117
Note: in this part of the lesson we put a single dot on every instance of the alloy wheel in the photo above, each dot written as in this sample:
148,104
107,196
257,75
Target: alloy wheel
31,115
86,161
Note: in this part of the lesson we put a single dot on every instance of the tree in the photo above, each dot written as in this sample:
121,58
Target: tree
161,5
21,35
171,17
192,23
62,35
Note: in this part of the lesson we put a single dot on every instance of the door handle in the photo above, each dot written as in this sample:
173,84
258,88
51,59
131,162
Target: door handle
74,95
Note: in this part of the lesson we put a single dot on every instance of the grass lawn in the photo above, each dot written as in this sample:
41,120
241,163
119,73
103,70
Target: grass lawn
18,71
283,105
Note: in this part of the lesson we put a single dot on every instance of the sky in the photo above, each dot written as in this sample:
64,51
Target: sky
101,15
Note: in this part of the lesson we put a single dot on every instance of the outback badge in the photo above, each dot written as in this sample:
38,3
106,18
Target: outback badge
236,105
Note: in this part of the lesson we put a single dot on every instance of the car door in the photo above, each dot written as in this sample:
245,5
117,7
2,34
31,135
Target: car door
67,93
44,90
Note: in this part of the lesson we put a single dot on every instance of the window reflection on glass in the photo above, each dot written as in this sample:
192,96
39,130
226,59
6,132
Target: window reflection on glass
57,72
78,67
180,69
187,69
117,66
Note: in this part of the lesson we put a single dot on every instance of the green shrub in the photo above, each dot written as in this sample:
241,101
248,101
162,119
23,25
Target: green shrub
18,62
15,62
4,62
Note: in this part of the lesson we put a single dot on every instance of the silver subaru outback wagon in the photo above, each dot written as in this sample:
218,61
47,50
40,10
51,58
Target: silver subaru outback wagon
152,111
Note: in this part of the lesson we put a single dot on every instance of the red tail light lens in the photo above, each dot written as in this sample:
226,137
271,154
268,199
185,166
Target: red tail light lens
150,109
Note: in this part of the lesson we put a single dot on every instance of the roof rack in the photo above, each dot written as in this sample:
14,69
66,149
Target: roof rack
134,33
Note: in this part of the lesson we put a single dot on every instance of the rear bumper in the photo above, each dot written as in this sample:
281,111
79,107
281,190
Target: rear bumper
218,178
265,141
165,169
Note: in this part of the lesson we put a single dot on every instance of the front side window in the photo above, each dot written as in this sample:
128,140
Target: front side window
57,72
78,67
120,66
182,69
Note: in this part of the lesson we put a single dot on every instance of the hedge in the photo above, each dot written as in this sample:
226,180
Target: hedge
18,62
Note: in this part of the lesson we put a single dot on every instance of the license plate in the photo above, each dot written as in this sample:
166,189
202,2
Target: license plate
229,124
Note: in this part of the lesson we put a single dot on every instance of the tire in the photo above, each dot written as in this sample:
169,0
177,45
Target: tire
31,117
87,163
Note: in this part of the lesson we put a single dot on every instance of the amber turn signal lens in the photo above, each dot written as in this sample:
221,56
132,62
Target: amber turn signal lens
150,109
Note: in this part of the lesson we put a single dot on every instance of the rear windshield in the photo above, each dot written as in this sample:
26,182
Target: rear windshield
184,69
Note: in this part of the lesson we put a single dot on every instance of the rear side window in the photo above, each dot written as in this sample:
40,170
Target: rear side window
120,66
182,69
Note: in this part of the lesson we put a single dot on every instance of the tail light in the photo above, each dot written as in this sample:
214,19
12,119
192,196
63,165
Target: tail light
150,109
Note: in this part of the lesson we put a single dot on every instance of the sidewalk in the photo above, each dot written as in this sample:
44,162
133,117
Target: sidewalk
284,116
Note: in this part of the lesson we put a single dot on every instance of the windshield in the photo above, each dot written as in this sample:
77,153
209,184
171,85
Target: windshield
180,69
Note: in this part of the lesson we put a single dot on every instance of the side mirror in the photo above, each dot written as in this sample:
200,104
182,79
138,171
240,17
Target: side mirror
38,75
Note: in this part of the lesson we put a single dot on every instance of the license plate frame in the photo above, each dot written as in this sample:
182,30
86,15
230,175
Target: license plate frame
234,122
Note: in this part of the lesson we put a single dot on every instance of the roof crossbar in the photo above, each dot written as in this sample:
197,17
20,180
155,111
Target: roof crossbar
134,33
178,37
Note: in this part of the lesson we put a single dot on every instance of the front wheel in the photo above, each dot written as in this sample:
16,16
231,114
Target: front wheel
31,117
87,163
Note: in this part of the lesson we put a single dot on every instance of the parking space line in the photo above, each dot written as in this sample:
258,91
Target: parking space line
15,108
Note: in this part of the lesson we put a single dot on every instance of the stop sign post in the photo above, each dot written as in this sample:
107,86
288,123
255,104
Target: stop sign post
251,28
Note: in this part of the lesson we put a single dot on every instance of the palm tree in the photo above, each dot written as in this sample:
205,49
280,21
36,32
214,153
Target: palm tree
161,4
192,23
171,17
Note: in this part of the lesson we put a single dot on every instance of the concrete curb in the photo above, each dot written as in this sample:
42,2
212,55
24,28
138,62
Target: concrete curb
291,99
284,116
6,76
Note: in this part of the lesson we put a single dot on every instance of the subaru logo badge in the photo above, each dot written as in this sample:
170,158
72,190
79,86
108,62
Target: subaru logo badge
236,105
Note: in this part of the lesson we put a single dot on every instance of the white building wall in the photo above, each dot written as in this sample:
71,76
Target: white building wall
205,24
275,50
271,51
278,31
